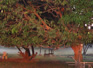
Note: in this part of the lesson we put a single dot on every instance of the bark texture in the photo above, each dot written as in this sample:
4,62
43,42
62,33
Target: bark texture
78,55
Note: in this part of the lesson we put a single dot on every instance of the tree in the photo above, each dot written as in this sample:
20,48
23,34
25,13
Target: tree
16,30
56,23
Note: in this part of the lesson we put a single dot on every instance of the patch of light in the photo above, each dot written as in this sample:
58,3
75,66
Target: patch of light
89,27
85,24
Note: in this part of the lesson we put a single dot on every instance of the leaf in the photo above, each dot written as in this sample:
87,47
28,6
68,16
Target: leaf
14,30
64,2
52,34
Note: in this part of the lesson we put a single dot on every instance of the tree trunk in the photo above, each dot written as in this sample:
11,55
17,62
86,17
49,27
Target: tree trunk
40,50
27,51
18,48
85,48
27,56
78,55
32,50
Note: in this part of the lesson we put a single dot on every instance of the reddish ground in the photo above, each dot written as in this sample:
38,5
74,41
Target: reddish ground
18,60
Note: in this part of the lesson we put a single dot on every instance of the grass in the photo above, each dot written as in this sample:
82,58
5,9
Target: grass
13,56
55,58
40,64
88,58
43,62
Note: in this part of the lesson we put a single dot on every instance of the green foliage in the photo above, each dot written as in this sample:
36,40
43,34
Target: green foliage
52,34
18,29
8,2
14,30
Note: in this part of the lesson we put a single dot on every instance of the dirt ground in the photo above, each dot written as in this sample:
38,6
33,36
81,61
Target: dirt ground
15,61
36,64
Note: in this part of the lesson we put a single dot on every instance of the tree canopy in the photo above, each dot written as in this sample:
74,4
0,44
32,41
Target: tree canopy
57,23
